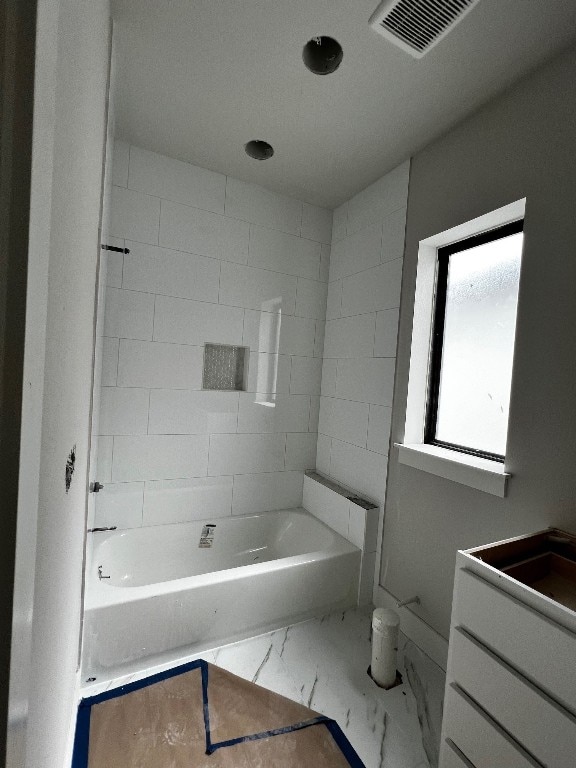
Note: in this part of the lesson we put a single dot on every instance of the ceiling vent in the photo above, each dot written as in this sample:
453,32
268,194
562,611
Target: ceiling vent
417,25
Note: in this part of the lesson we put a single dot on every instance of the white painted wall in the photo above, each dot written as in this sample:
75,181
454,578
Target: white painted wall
360,342
519,146
212,259
71,91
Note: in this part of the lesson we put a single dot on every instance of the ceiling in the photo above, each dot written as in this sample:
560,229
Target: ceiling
197,79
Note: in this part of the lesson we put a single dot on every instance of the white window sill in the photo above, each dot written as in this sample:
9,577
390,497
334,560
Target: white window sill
482,474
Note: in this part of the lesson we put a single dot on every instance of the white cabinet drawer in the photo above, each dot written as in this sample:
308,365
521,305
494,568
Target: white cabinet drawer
539,648
451,757
540,725
483,742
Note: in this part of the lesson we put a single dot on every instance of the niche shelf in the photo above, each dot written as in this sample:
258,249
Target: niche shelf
225,367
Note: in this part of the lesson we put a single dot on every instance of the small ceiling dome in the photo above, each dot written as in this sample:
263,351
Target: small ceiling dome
258,149
322,55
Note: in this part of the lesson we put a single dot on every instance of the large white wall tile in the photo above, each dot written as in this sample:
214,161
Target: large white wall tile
280,252
329,507
134,216
367,577
175,180
316,223
350,336
324,264
344,420
372,290
159,457
356,252
172,273
159,366
379,428
379,199
123,411
109,362
204,233
179,501
357,526
257,289
259,206
104,450
301,450
286,413
323,447
182,412
329,370
246,454
266,491
334,300
366,379
363,471
393,235
371,530
114,263
268,374
120,158
181,321
314,413
311,298
272,332
129,314
120,504
339,223
386,333
306,376
319,338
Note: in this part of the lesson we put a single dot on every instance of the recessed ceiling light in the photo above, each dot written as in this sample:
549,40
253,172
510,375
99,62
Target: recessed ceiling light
258,149
322,55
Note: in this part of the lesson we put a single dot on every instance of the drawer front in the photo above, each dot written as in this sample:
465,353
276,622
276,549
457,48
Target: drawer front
451,757
539,648
483,742
540,725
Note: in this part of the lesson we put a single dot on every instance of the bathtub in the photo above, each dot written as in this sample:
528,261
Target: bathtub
173,590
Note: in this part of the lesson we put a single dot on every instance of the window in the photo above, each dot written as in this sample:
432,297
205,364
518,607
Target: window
473,342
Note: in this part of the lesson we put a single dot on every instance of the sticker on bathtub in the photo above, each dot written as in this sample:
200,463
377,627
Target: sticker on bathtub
207,536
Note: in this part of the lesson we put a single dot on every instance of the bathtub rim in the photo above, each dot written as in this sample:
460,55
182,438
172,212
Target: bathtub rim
99,595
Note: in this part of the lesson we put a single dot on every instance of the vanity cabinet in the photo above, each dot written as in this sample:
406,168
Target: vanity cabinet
511,680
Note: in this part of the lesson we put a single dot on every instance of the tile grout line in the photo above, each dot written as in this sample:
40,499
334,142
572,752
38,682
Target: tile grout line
211,211
229,306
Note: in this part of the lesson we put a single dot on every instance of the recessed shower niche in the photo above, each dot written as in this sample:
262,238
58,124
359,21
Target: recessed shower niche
225,367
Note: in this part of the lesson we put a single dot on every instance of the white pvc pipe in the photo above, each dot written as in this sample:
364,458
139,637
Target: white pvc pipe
384,646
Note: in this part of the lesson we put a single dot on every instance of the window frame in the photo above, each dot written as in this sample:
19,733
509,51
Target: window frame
442,270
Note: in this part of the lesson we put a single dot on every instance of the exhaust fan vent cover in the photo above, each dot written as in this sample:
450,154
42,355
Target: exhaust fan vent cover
417,25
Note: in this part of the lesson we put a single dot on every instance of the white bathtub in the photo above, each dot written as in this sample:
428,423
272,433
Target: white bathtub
167,596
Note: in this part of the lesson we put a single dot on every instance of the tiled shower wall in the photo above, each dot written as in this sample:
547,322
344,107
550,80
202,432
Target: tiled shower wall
212,259
361,332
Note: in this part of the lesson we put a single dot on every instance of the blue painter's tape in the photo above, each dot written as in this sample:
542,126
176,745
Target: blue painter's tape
205,707
345,747
82,736
136,686
268,734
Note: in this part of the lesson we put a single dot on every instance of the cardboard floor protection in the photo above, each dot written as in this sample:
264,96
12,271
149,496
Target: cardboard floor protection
201,716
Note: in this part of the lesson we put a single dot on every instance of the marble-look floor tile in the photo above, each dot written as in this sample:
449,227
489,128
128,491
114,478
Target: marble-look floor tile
322,663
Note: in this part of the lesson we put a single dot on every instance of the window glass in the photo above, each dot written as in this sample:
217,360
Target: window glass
473,383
